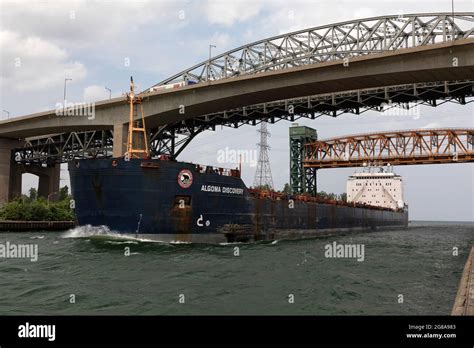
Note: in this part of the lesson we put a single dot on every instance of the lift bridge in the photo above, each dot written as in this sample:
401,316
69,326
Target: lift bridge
407,147
404,147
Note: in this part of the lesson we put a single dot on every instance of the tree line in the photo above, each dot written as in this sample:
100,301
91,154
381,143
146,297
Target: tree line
32,207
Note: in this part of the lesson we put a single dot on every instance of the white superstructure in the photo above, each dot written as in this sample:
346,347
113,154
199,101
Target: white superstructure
376,186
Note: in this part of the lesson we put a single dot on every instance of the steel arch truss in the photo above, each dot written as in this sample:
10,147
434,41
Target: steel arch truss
422,146
65,147
331,42
170,140
400,100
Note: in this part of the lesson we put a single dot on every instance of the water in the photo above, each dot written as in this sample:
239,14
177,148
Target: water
417,263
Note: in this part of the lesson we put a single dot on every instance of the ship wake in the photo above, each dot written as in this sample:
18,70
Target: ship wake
105,233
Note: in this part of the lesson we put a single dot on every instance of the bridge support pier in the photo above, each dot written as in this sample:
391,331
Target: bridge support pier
120,139
48,183
15,181
8,175
11,172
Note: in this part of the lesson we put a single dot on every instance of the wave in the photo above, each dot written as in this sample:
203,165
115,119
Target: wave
104,232
100,232
86,231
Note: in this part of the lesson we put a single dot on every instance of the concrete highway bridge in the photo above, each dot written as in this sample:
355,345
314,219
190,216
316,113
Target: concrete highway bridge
348,67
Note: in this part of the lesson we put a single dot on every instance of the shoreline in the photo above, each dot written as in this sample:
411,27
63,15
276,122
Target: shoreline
463,304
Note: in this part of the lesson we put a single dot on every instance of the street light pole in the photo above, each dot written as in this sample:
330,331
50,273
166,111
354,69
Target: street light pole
110,92
209,63
8,114
452,12
65,80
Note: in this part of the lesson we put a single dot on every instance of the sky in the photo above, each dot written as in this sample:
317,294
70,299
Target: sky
99,44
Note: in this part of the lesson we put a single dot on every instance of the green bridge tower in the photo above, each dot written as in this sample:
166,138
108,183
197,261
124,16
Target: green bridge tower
301,180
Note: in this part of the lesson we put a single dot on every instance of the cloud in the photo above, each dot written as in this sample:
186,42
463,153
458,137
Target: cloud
94,93
227,12
432,125
364,12
281,16
31,63
222,41
81,22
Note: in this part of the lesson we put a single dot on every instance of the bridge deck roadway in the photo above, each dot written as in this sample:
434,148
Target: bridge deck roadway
437,62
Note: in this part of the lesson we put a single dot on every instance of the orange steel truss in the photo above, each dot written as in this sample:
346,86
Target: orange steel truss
418,146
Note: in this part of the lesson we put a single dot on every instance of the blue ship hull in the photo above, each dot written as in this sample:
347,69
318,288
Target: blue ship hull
176,201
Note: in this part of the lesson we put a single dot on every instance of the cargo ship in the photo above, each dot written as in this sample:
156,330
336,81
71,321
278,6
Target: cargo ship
171,201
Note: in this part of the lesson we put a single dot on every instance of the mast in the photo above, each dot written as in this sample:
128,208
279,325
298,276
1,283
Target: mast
137,143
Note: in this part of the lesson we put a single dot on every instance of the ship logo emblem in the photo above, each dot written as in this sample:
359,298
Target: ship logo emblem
185,178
